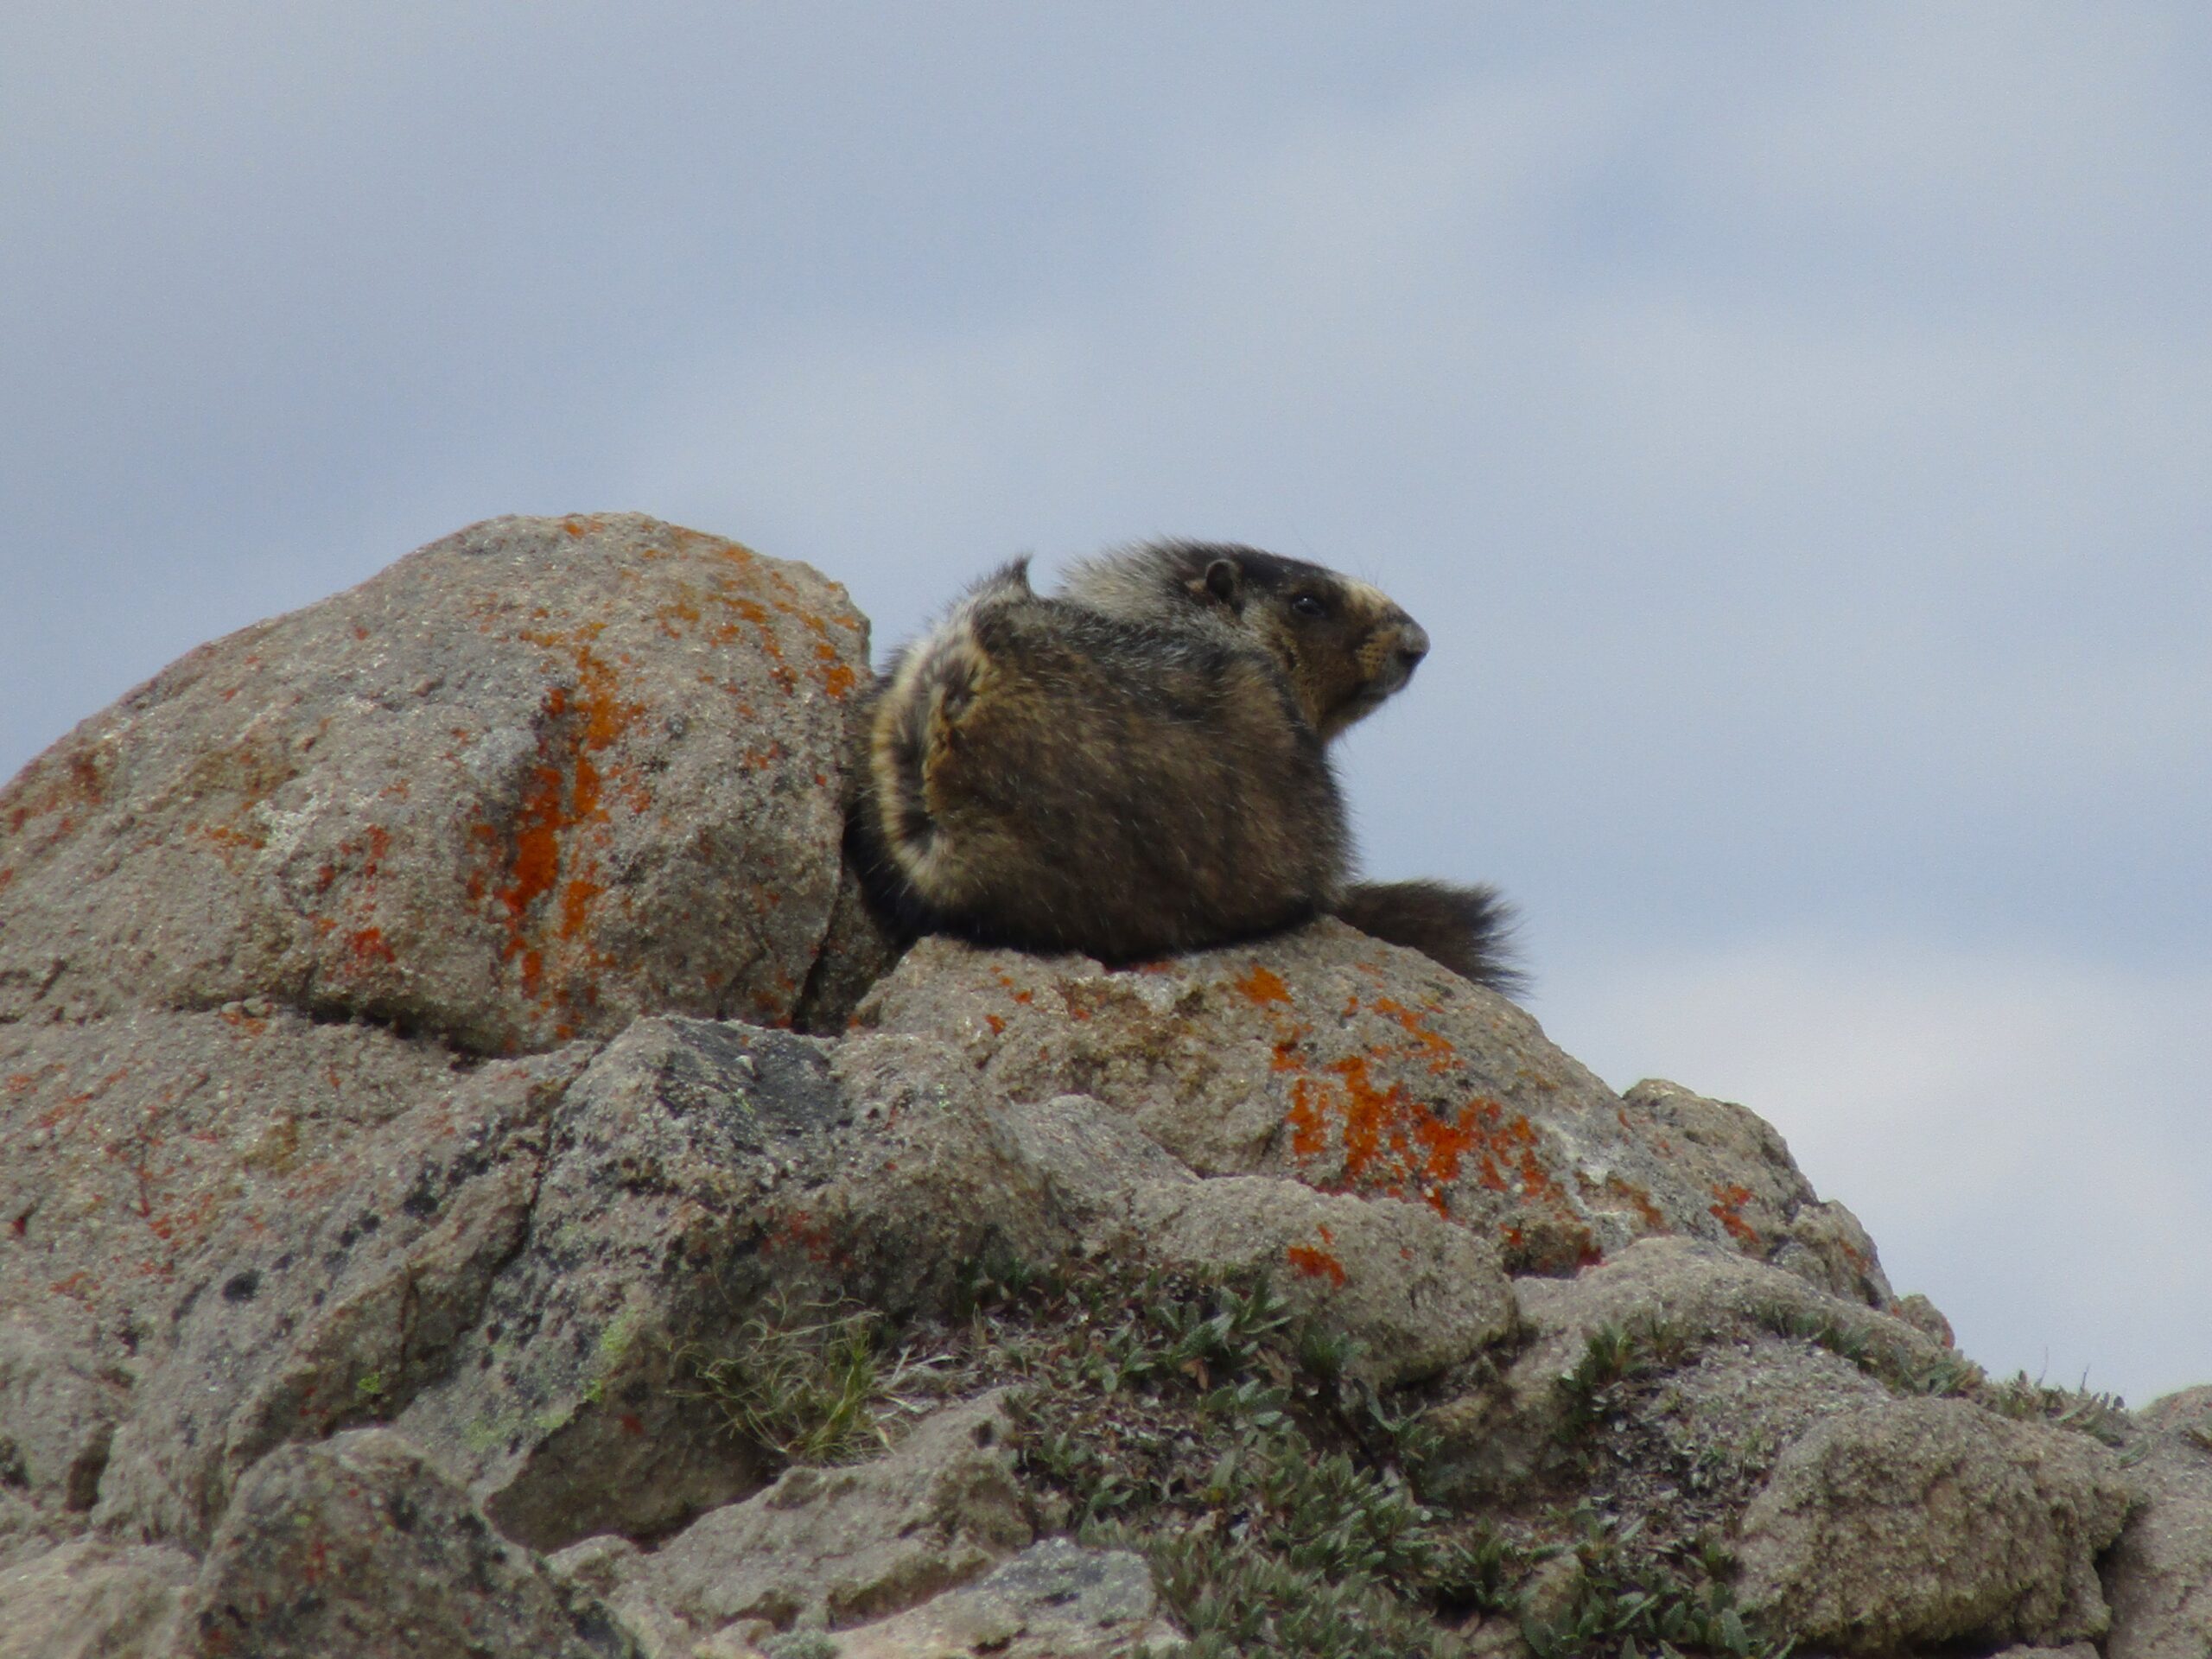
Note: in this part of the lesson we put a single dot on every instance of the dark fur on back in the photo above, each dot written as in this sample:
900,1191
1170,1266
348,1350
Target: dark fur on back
1043,775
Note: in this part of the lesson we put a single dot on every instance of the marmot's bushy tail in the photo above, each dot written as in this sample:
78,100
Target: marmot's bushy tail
1464,928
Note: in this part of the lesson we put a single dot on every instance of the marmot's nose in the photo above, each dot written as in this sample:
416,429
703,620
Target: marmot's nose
1413,643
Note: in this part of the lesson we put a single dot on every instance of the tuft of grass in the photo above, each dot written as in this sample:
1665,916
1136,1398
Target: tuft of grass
1622,1600
1203,1423
2102,1416
1946,1375
808,1381
1613,1355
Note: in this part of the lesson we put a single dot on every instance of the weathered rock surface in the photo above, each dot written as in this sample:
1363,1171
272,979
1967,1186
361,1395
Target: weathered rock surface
694,1167
830,1548
90,1599
1330,1058
358,1546
2159,1577
1055,1600
533,781
1674,1298
1922,1522
235,1229
1417,1294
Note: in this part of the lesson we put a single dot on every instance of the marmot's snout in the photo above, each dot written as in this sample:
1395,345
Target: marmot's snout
1413,642
1392,653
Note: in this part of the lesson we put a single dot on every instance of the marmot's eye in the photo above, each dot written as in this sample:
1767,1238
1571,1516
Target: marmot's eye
1308,605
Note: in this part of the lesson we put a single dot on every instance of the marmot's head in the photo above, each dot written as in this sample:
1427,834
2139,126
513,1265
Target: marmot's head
1344,646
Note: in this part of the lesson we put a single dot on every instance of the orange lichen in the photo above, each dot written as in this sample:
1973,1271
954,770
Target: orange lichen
1391,1143
1442,1055
537,861
63,783
1316,1264
1729,1212
553,842
813,1239
575,904
1263,985
368,944
1640,1201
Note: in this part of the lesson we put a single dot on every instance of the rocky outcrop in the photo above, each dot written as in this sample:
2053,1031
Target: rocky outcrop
1350,1065
533,780
359,1545
1922,1522
835,1546
480,1181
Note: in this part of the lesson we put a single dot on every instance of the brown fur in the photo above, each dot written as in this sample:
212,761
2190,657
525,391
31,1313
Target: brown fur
1135,764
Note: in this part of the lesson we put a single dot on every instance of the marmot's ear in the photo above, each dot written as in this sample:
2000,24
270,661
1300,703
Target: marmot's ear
1222,583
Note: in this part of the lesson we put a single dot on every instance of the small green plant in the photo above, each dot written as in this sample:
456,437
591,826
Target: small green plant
1946,1373
1621,1599
1612,1355
1823,1330
807,1382
2102,1416
1205,1424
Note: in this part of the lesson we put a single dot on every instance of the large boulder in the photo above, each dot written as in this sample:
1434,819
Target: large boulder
1917,1523
695,1169
829,1548
359,1546
530,781
1329,1058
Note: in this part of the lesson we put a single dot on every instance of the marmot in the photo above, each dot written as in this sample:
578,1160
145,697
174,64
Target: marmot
1135,766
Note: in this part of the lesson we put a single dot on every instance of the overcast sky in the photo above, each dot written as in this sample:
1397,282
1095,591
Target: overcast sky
1793,424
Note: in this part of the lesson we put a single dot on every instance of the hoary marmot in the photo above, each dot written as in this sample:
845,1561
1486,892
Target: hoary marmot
1135,764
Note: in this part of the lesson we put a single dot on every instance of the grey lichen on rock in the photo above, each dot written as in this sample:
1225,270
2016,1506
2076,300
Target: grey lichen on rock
1922,1522
359,1545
